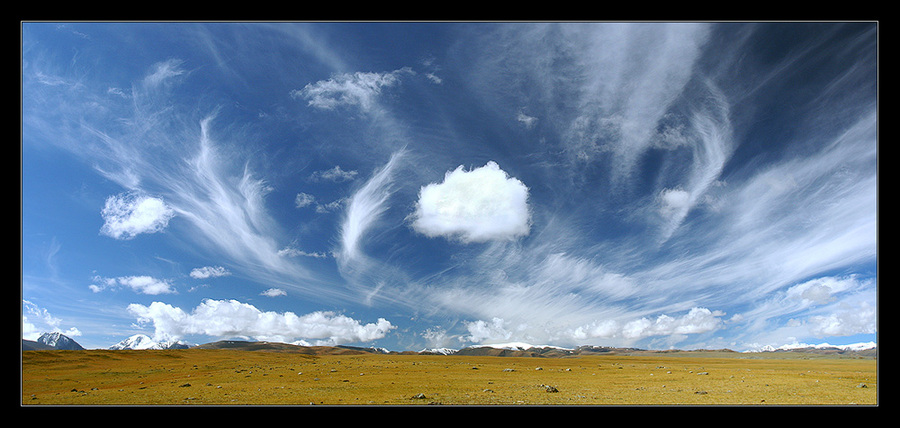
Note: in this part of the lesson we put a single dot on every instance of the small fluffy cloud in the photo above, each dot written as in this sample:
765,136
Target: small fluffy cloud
163,71
349,89
140,284
334,174
273,292
209,272
674,201
526,120
474,206
294,252
493,331
128,215
230,318
304,199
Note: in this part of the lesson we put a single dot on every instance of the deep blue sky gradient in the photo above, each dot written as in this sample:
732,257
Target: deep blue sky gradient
689,185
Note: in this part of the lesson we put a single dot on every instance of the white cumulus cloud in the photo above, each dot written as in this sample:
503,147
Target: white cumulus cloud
209,272
848,321
474,206
334,174
128,215
142,284
231,318
697,320
349,89
273,292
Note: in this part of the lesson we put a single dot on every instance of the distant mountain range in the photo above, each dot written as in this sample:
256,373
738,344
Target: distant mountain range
51,341
59,341
142,341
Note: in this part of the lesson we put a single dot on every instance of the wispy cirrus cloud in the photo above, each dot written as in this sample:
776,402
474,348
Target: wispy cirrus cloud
176,172
715,233
674,183
364,209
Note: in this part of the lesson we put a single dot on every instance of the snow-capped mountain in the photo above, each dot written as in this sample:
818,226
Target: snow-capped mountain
795,346
440,351
517,346
142,341
59,341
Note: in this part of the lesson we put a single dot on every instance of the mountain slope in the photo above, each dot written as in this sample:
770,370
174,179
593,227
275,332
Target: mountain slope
58,340
31,345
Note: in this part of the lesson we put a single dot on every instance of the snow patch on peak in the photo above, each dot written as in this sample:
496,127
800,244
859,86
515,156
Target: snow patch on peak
851,347
440,351
516,346
142,341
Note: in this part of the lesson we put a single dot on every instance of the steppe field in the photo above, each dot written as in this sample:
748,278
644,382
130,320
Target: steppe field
239,377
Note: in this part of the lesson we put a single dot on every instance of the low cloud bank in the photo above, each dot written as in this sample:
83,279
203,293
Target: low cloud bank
231,318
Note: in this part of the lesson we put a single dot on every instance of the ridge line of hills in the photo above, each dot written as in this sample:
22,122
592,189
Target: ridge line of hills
57,341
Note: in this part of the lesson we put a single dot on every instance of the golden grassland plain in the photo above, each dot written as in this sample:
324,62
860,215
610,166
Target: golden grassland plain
239,377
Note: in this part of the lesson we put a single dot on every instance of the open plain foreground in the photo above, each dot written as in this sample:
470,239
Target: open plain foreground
241,377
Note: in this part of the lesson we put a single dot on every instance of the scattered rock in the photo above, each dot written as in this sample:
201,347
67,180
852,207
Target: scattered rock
418,396
509,370
862,385
185,385
701,392
703,373
550,388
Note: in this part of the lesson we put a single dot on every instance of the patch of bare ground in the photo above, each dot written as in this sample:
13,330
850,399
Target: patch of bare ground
240,377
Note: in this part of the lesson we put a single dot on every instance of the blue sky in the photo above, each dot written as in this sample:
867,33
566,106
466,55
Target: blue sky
417,185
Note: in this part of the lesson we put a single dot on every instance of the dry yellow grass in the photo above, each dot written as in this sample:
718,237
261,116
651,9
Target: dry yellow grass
231,377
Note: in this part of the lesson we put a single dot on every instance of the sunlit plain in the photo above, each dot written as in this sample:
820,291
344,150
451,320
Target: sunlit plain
227,377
